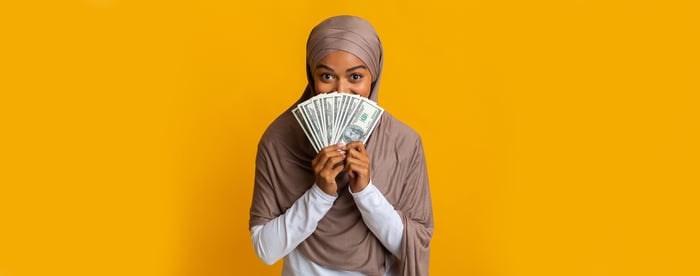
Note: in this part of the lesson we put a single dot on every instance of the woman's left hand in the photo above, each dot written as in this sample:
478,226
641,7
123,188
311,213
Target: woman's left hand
357,165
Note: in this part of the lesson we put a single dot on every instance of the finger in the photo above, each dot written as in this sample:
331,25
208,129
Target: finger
336,170
332,163
357,166
359,148
332,169
351,174
356,162
356,172
354,154
330,149
322,157
319,157
356,145
342,149
315,161
329,162
320,161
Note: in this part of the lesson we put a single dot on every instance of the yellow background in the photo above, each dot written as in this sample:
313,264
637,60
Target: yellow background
562,137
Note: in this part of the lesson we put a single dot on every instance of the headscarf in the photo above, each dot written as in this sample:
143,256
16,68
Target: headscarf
344,33
283,171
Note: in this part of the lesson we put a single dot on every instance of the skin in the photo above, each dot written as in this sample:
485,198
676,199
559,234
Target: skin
345,73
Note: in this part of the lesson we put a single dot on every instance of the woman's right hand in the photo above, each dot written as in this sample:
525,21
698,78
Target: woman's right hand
327,165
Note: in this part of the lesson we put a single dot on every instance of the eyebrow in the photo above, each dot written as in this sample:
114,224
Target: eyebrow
356,67
348,70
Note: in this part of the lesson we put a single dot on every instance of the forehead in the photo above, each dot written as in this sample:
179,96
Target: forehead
341,60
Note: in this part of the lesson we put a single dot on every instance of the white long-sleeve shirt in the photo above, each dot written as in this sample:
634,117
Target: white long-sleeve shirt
279,237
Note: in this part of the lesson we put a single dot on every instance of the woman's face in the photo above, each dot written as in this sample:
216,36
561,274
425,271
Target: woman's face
343,72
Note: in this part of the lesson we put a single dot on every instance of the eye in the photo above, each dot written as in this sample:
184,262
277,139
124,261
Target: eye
355,76
326,76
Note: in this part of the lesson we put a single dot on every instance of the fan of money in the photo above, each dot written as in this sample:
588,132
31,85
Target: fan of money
332,118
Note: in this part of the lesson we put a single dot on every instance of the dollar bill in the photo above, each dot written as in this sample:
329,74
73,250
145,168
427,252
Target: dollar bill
305,127
329,115
353,102
309,112
333,118
363,121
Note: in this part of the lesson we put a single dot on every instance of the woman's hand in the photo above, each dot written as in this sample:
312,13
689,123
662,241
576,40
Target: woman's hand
357,164
327,165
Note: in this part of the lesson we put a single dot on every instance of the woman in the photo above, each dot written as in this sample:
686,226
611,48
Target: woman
350,209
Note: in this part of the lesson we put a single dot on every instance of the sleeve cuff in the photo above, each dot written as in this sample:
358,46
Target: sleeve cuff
317,192
366,191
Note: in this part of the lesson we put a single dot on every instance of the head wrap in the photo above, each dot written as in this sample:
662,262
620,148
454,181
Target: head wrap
344,33
283,171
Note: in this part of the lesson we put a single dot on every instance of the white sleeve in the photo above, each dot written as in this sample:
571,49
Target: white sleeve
380,216
276,238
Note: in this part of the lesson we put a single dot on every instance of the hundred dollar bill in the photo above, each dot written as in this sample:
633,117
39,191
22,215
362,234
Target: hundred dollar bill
321,119
329,116
352,103
309,111
362,122
344,102
304,126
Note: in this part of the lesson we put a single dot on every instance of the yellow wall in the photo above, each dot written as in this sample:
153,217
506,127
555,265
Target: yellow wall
561,136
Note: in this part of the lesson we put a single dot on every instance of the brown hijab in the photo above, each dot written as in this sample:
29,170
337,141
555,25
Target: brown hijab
283,171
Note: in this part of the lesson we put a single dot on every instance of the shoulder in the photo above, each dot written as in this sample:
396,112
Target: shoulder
398,135
395,128
279,131
281,126
285,135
